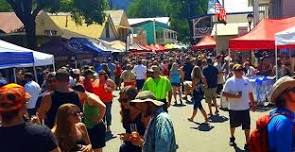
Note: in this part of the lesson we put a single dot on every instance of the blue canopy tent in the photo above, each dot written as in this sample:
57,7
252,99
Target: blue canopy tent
86,45
15,59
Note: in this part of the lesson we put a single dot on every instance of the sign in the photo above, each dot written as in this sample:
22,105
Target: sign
242,30
202,26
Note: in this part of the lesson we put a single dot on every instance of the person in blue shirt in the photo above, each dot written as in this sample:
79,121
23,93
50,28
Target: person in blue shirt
175,76
281,136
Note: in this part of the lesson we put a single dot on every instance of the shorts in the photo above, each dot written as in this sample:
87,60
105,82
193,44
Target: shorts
210,94
175,84
97,135
238,118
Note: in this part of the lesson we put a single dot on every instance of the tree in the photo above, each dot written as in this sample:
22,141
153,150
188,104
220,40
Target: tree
82,10
148,8
4,6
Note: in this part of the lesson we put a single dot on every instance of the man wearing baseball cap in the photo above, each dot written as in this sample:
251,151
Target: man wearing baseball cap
159,135
16,134
239,93
160,86
281,135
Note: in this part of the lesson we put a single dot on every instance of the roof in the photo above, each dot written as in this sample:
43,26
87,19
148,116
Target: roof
9,22
263,35
116,16
206,42
65,21
164,20
286,39
231,6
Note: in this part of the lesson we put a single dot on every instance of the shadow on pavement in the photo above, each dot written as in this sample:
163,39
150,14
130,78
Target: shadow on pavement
265,108
217,119
238,149
179,105
110,136
203,127
189,102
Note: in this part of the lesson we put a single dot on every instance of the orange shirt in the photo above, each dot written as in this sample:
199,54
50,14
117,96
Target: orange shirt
104,95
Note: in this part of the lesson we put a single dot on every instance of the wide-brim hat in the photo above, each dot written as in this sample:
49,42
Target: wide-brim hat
281,86
147,96
155,68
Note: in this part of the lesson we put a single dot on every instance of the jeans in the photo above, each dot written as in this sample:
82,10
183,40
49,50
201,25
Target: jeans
108,114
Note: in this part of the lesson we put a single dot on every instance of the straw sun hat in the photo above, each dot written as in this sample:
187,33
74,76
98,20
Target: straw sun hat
281,86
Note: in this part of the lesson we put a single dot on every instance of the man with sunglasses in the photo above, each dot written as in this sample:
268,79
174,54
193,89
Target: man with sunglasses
281,136
16,134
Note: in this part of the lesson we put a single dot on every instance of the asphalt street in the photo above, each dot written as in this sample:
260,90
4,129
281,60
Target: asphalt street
190,136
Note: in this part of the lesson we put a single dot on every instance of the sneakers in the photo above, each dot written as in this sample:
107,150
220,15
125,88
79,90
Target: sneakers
232,141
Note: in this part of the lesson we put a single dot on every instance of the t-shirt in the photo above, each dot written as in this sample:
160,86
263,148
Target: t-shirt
280,132
211,74
140,71
27,137
187,69
234,85
34,90
160,87
220,79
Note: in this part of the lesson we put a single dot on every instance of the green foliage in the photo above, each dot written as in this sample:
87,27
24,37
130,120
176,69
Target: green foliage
178,10
4,6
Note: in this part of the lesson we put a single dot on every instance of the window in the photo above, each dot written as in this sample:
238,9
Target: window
250,2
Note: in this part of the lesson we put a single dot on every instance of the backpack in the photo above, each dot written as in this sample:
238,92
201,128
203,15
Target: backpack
259,137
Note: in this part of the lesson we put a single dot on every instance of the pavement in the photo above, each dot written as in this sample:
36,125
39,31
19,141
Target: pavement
190,136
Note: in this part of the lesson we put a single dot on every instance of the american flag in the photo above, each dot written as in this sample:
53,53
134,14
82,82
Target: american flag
220,12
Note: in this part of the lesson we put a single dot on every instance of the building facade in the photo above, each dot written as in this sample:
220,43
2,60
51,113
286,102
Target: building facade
282,8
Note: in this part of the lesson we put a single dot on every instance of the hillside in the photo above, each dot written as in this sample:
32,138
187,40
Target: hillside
120,4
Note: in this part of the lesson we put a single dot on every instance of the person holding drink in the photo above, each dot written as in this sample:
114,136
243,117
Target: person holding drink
132,121
239,92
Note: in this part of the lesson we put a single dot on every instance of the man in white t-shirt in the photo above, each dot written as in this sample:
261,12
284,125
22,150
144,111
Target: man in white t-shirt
239,92
34,89
140,72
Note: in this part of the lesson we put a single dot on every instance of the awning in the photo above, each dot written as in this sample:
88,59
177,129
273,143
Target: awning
262,36
40,59
9,58
86,45
286,39
206,42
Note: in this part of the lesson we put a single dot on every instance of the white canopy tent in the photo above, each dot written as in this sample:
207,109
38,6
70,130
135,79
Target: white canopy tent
40,59
284,39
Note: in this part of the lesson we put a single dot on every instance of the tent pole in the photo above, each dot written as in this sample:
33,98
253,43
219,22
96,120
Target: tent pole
276,58
35,73
53,66
14,75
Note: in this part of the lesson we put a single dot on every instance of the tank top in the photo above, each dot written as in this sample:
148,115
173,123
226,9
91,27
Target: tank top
58,99
175,76
89,113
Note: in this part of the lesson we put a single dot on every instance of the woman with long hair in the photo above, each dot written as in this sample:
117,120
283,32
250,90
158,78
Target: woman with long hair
94,111
132,120
71,134
198,93
103,87
175,76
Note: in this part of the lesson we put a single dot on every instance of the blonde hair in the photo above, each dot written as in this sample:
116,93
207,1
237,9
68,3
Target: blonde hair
197,73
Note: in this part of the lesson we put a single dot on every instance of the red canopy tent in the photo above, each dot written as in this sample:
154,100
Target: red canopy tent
206,42
262,36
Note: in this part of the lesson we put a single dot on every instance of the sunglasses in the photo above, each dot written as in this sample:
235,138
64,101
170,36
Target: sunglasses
76,113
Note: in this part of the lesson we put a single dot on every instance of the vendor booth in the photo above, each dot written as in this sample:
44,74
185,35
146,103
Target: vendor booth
207,42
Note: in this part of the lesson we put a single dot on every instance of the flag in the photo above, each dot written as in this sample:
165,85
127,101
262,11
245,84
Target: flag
220,12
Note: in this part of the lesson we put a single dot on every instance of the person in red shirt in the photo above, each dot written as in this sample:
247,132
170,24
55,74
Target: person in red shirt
118,72
104,87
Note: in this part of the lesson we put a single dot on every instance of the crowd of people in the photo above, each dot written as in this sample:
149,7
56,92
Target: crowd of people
71,109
